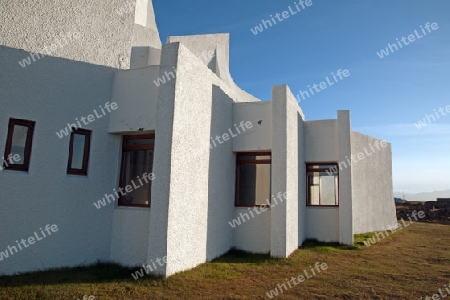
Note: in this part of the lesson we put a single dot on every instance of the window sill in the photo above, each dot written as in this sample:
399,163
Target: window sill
135,206
268,206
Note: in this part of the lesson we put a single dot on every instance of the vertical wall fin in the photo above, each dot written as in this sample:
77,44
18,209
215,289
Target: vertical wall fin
146,43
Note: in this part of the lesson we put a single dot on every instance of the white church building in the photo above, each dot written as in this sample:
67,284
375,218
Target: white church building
119,148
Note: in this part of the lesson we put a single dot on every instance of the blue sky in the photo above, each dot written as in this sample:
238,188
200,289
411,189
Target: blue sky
386,96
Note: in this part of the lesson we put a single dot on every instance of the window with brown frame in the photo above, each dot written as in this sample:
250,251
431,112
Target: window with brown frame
18,145
79,148
253,177
137,165
322,184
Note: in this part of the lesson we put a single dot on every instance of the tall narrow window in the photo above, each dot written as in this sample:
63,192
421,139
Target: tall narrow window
136,170
18,145
322,184
253,171
80,144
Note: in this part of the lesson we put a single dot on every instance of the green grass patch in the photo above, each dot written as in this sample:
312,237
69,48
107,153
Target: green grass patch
360,238
390,267
323,247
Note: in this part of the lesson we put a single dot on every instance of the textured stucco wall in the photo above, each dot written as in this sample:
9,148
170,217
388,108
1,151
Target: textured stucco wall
221,176
159,213
322,223
373,204
301,142
253,235
321,141
188,200
219,64
107,28
193,193
321,145
345,180
187,197
105,35
285,164
130,234
202,45
137,95
259,137
53,93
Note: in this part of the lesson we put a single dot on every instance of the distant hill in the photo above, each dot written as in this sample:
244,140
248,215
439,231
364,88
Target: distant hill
426,196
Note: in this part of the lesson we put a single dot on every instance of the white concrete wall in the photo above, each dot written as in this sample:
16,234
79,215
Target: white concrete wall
222,168
54,93
204,45
189,190
322,223
159,213
253,235
373,204
259,137
105,34
345,180
219,64
130,234
301,133
195,191
190,214
321,141
137,96
286,116
321,145
146,44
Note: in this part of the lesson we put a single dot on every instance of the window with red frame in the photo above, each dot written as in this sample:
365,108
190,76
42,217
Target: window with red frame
18,145
253,177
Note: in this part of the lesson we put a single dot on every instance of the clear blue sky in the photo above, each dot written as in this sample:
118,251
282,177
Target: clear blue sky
386,96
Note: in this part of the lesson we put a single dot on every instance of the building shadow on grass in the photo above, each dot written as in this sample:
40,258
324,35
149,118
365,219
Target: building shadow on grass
243,257
238,256
102,272
97,273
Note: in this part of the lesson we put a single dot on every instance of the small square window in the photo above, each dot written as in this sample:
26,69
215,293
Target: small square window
80,142
253,177
322,184
18,145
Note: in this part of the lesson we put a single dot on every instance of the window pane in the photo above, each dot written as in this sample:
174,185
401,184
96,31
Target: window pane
252,157
313,179
253,184
327,190
322,166
137,141
134,164
247,184
262,184
79,141
19,140
322,186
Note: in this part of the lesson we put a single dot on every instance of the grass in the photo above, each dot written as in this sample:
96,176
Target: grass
412,263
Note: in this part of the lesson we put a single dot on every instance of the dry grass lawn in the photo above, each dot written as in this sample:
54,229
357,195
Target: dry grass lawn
412,263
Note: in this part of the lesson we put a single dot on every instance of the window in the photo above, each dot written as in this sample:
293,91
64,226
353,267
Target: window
137,165
18,145
80,143
253,171
322,184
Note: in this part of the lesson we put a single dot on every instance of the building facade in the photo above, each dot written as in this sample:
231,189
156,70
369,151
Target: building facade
142,152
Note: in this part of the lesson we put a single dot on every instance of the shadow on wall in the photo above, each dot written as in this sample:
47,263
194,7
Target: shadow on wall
53,92
301,180
221,178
